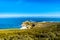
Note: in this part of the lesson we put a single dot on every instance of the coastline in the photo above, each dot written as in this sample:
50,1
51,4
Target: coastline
34,33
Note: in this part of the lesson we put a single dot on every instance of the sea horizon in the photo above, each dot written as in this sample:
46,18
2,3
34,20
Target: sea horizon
16,22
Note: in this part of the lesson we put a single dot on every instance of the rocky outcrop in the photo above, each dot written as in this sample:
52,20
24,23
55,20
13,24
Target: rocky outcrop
29,25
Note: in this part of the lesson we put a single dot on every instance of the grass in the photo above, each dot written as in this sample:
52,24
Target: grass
37,33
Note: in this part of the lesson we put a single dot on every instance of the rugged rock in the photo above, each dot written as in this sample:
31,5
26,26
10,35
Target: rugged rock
29,25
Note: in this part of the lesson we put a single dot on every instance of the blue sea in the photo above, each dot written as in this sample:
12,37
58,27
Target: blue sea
16,22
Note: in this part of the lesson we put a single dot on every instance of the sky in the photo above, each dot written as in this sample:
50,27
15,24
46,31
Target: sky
17,8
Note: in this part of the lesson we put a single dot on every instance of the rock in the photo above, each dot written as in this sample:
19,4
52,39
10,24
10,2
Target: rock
29,25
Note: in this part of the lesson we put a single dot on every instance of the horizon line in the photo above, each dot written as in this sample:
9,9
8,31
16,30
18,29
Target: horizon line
28,15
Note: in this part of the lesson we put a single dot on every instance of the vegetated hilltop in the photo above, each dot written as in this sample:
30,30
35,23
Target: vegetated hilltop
33,31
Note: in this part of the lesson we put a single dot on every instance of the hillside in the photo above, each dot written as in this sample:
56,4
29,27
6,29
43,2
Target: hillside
47,31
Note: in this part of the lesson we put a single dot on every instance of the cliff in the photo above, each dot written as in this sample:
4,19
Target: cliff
30,25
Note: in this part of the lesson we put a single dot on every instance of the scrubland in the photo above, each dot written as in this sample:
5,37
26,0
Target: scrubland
51,32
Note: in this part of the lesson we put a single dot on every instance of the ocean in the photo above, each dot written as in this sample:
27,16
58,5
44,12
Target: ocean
16,22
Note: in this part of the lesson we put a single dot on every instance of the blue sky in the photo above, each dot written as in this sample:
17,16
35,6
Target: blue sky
30,7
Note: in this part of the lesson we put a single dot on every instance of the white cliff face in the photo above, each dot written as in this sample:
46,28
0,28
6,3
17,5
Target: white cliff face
26,25
23,27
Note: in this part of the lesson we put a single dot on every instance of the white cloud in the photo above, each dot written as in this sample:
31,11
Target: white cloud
8,15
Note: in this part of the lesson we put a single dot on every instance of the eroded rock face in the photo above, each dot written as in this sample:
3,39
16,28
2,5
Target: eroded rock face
29,25
26,25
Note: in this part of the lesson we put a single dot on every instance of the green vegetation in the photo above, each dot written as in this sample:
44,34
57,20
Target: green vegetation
51,32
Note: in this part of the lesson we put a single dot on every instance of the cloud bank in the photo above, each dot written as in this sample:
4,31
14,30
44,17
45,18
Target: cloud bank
29,15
